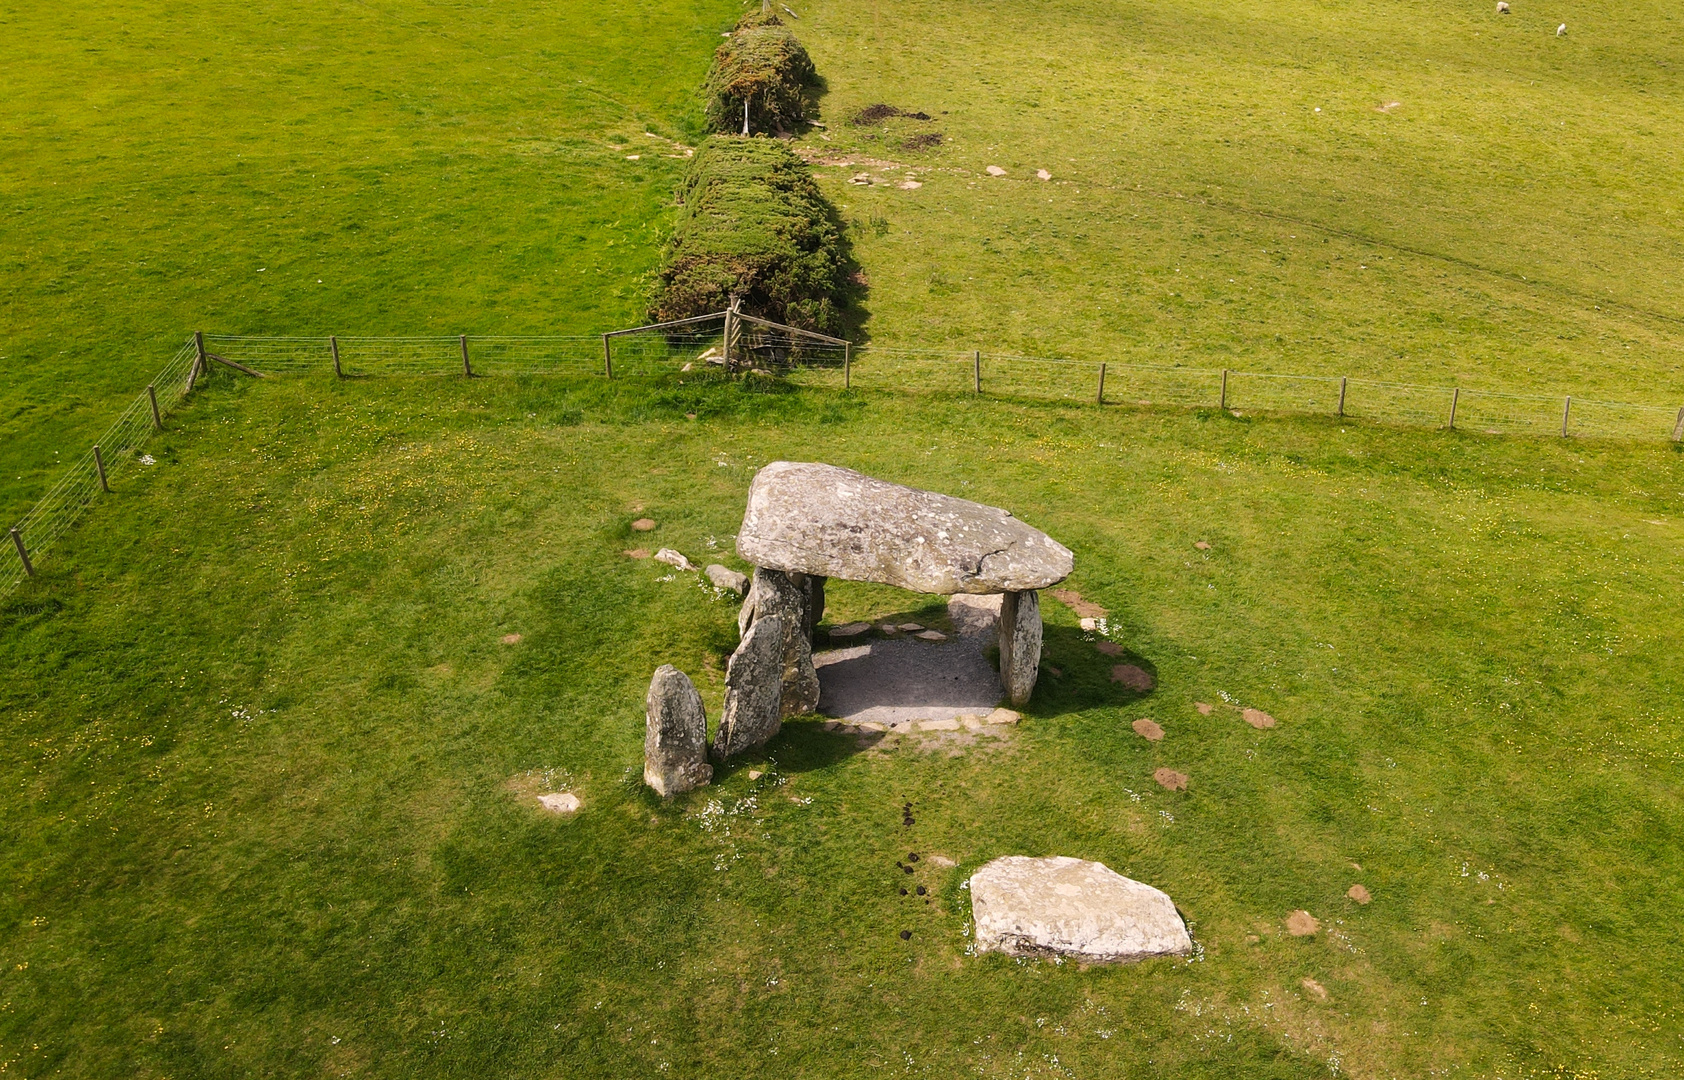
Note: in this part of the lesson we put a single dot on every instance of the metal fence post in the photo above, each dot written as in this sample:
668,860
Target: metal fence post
848,370
977,358
23,552
333,344
1100,398
1566,410
467,371
99,467
152,396
1455,395
1223,404
1342,381
607,358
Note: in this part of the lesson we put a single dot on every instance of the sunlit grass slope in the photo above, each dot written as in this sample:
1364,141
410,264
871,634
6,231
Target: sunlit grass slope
265,791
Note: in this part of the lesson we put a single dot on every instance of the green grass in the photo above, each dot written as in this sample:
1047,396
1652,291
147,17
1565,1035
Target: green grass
266,754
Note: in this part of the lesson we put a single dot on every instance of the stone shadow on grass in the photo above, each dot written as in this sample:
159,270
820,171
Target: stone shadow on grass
1085,678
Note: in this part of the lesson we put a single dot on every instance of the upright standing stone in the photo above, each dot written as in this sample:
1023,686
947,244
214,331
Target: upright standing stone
675,734
815,604
753,690
1020,644
781,595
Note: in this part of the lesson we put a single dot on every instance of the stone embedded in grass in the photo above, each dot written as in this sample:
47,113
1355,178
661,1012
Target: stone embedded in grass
1063,906
1149,730
849,630
1204,708
1002,716
938,725
1169,778
755,774
1202,545
931,635
644,524
753,690
675,734
910,627
1257,718
723,577
1359,894
1133,677
510,639
1301,924
673,558
560,802
1042,174
995,170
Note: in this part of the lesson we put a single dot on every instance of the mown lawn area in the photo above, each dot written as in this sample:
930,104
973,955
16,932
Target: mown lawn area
269,763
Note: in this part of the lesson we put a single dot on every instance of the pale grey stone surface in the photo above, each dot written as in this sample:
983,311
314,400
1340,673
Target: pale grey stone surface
675,734
788,597
1059,905
753,690
723,577
824,520
560,802
972,614
1020,645
674,558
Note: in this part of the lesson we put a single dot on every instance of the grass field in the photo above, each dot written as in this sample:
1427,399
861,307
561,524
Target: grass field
265,796
269,765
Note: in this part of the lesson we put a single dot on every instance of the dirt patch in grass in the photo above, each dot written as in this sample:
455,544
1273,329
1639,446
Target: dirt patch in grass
1257,718
1072,599
1169,778
1301,924
876,114
1359,894
924,140
1149,730
1133,677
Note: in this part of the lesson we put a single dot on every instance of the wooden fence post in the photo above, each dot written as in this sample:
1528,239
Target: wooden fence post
848,370
333,344
977,359
1455,395
1342,381
730,317
1223,404
157,420
23,552
200,366
99,467
1100,399
607,358
467,371
1678,427
1566,410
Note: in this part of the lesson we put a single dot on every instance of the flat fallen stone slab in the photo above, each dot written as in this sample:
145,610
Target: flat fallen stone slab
1070,907
834,522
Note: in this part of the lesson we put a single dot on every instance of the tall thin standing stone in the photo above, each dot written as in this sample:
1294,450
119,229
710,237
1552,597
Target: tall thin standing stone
675,734
779,594
1020,644
753,690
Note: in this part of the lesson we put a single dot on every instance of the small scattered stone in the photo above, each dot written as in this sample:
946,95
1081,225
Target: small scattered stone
860,178
910,627
833,725
723,577
755,774
931,635
910,185
1002,716
1109,648
906,935
637,553
510,639
1149,730
1316,989
1257,718
1502,7
1301,924
938,725
1204,709
853,629
673,558
995,170
1133,677
644,524
1202,546
1042,174
1169,778
888,629
872,725
972,723
561,802
1089,624
1359,894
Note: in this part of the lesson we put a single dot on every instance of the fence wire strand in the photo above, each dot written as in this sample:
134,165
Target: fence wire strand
700,350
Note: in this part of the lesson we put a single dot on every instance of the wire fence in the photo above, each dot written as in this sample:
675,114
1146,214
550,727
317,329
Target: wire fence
743,346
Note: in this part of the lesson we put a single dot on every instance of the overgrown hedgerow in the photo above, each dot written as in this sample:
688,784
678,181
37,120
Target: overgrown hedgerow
763,64
753,223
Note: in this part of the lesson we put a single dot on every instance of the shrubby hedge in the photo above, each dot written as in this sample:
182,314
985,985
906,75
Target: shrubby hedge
753,223
762,63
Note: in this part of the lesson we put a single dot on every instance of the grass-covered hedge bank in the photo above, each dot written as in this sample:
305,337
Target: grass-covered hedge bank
763,64
753,223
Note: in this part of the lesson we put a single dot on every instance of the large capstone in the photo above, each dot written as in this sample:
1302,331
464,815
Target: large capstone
1020,645
790,598
675,734
753,690
1070,907
819,519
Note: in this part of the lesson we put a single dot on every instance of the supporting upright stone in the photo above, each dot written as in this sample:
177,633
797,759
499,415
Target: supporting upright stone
1020,644
815,605
675,735
753,690
775,593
